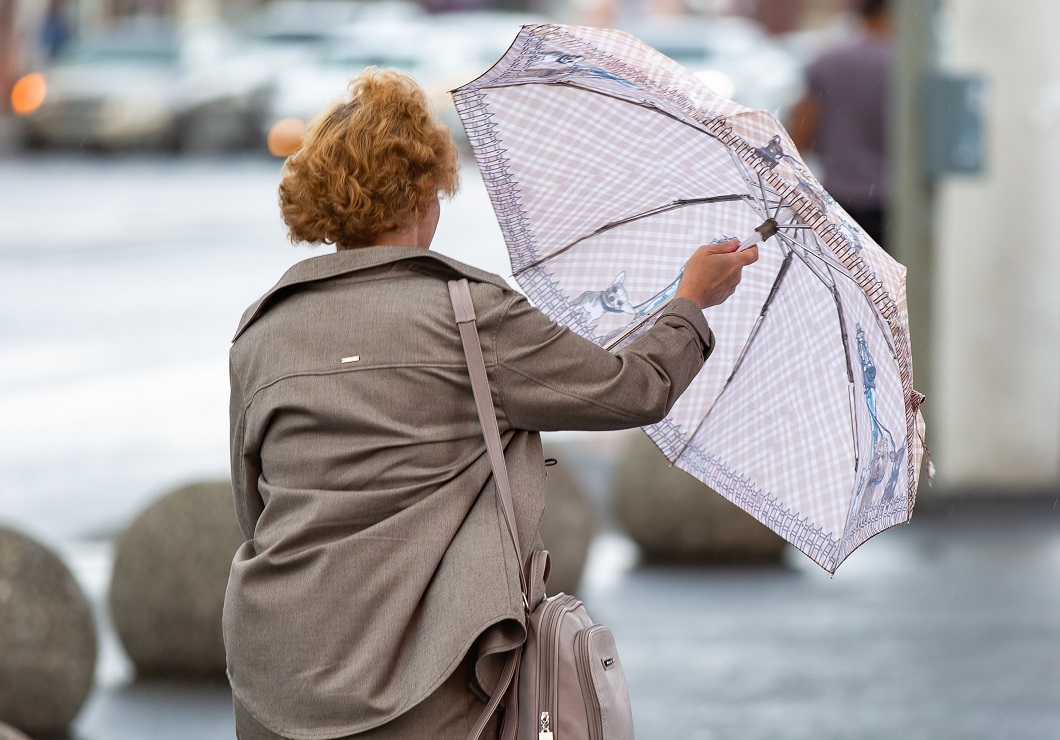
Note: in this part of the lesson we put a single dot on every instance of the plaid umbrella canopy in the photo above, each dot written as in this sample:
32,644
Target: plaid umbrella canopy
608,164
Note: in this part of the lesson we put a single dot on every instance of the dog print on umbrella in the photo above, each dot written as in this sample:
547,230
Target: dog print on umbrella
772,154
557,65
595,303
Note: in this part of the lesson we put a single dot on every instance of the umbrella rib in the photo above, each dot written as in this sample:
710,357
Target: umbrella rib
842,329
779,203
830,284
834,290
762,189
680,203
801,251
884,330
630,329
743,352
742,167
828,261
761,208
850,374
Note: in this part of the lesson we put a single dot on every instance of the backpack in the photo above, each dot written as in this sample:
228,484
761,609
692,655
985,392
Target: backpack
566,682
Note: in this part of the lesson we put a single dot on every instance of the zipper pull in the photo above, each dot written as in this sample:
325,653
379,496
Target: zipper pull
544,733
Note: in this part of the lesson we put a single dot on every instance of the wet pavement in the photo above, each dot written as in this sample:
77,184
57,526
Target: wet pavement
948,627
120,284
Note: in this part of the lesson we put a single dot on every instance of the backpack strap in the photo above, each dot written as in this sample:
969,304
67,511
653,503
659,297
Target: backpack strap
460,293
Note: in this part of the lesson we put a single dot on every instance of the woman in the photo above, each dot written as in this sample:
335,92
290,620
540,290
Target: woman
377,592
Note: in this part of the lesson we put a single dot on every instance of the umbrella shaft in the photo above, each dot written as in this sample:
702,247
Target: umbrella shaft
750,241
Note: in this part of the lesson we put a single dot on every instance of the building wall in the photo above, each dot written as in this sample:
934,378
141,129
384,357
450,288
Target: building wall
997,413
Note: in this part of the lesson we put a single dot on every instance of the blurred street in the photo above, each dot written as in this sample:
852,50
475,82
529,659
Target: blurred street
946,628
122,278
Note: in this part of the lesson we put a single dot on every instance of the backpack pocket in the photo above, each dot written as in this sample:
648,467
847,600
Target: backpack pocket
603,685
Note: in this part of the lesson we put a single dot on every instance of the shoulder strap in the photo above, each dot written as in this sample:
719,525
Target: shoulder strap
487,414
460,293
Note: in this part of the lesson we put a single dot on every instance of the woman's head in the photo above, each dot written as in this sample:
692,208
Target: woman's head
368,166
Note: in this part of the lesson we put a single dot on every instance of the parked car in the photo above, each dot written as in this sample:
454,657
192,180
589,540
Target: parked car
148,82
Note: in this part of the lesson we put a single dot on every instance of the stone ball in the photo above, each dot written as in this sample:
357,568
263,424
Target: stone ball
168,586
674,518
567,528
47,639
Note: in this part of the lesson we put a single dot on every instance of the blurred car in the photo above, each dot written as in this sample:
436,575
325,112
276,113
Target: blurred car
147,82
478,39
287,32
442,51
306,87
734,56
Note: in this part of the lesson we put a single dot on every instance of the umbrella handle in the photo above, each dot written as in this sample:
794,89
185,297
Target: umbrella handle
759,235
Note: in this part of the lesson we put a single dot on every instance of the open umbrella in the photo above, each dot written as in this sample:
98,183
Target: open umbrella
607,164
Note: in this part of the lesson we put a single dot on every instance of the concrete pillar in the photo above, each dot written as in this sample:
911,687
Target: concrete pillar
997,387
912,197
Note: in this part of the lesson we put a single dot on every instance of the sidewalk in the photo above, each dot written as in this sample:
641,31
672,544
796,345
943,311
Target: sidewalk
946,628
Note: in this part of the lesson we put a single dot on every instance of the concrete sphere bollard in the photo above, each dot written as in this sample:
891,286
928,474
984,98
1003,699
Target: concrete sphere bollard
567,527
676,519
169,581
47,639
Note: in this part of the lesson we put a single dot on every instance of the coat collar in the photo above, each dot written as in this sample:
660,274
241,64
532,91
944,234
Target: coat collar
349,261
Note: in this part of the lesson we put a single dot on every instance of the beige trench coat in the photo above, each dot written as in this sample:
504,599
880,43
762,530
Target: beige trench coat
375,554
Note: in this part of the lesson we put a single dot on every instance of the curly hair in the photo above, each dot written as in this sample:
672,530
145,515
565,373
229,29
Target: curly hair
368,165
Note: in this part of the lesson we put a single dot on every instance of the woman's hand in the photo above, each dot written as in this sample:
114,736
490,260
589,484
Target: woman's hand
713,272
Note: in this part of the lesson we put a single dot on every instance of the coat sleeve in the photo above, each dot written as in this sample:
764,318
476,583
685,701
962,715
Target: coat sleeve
549,378
246,464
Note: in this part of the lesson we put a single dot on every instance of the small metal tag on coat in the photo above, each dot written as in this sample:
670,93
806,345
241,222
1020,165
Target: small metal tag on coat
608,663
547,735
352,358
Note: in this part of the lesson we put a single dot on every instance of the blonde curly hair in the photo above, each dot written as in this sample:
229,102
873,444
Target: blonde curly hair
369,165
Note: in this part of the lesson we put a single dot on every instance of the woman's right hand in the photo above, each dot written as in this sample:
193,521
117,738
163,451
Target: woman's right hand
713,272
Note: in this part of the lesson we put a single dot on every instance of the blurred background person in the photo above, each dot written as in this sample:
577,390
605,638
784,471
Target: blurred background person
842,118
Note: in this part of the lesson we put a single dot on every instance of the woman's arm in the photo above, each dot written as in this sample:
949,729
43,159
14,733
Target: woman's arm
549,378
246,466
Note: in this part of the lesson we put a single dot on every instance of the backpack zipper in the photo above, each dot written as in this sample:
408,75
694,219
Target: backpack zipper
546,689
544,733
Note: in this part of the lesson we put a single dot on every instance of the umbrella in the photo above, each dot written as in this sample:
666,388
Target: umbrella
607,164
